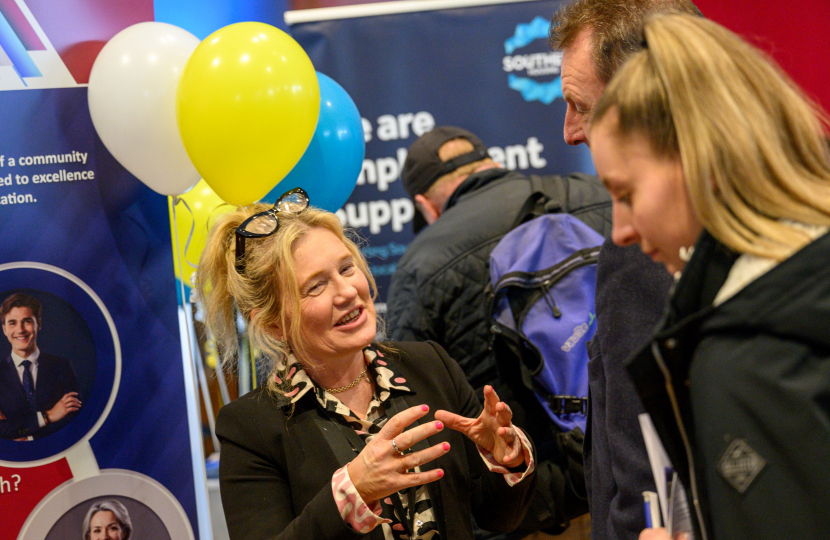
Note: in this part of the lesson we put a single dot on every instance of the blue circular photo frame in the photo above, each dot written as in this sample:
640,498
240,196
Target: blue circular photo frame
105,370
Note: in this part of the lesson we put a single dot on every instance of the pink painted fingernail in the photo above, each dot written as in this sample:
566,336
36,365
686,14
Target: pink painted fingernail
439,425
446,446
425,408
440,474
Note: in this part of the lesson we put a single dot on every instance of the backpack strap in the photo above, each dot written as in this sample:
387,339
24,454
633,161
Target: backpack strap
548,195
556,192
581,195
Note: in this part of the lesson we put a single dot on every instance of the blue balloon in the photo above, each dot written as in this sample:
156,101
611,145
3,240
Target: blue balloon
329,169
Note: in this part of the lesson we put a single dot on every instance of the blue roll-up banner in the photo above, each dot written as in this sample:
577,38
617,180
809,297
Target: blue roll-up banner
410,66
91,245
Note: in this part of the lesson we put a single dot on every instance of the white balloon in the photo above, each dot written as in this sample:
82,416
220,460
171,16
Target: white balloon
132,100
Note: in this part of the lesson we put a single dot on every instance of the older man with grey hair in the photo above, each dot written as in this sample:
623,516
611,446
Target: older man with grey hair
596,37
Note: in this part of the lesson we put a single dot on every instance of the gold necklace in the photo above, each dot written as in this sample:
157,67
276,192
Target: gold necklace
350,385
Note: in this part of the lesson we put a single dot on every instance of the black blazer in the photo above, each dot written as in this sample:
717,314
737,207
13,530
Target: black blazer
55,378
275,472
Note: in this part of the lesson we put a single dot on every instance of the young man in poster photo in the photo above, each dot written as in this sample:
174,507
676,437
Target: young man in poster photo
38,391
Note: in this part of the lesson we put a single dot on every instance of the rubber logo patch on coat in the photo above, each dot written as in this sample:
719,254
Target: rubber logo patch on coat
740,464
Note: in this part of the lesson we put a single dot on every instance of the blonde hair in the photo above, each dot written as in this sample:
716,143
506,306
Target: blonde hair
266,292
751,144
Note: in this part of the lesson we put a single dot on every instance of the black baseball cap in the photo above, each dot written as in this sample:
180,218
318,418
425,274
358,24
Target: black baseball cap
423,166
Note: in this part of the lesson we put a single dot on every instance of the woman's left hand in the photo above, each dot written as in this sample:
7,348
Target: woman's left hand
493,430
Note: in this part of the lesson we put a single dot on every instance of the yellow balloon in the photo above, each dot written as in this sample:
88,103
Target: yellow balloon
195,214
247,107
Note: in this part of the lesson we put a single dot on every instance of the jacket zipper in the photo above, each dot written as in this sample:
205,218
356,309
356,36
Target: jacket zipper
655,349
577,260
525,280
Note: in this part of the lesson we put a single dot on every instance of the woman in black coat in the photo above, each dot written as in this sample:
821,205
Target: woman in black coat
718,168
338,444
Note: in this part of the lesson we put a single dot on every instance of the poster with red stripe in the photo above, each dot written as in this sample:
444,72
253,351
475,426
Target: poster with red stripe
94,391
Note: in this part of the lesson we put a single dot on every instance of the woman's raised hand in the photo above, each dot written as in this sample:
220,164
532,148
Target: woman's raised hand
493,430
380,468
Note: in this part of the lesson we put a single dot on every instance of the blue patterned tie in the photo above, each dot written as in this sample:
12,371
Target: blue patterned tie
29,384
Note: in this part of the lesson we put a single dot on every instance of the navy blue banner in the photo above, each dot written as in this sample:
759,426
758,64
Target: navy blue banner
486,68
91,244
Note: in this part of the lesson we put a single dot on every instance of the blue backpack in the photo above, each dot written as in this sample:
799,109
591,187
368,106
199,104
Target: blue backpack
541,300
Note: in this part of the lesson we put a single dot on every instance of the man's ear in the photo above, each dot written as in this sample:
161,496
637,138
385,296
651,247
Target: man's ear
430,210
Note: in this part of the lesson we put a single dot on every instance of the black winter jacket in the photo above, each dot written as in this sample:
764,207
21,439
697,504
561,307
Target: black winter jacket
437,291
749,383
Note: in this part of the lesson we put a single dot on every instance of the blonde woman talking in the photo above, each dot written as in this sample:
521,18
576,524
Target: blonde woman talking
339,443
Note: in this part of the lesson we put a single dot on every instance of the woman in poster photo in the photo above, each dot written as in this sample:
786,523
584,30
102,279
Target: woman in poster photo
719,168
338,443
108,520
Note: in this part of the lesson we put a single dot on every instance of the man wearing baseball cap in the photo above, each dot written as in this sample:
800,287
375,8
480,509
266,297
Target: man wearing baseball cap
469,202
439,155
437,291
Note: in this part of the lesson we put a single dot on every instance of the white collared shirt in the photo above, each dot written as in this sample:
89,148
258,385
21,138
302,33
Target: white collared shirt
18,363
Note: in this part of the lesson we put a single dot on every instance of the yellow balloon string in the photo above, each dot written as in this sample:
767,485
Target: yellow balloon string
188,317
177,200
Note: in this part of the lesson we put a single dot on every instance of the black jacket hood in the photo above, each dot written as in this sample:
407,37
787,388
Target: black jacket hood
780,301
